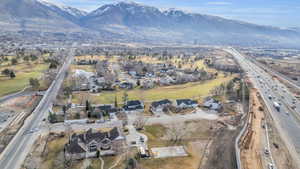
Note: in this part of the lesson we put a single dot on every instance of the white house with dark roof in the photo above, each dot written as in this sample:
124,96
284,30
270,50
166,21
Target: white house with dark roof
158,106
212,104
133,106
186,103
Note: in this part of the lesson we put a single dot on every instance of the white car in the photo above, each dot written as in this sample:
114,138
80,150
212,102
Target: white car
270,166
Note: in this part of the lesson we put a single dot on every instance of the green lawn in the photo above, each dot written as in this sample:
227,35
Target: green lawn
189,90
23,74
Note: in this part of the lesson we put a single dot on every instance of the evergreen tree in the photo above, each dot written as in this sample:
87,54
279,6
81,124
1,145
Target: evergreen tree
12,74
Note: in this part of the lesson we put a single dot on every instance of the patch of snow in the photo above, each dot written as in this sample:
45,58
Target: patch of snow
100,12
67,9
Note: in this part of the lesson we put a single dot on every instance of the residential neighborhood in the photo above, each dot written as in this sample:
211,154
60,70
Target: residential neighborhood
135,85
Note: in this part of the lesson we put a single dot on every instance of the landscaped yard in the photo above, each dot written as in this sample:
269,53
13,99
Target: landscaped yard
190,90
23,73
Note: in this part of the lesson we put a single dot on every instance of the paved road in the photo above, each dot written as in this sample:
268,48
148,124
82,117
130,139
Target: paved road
18,94
280,75
15,153
286,118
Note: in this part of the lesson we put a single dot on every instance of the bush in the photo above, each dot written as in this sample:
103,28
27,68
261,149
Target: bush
34,83
14,61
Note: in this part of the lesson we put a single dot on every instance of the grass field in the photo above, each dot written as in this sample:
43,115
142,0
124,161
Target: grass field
23,73
55,148
189,90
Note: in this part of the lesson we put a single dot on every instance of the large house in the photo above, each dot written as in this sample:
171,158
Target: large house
93,144
133,106
158,106
186,103
212,104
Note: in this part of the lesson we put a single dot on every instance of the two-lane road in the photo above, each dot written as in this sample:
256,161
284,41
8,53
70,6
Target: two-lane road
15,153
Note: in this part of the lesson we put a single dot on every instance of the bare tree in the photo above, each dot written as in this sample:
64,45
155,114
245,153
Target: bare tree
140,121
176,132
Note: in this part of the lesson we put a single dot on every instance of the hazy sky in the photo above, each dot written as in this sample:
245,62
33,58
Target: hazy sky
282,13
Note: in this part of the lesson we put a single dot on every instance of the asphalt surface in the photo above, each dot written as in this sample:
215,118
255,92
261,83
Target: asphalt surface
287,118
18,94
15,153
280,75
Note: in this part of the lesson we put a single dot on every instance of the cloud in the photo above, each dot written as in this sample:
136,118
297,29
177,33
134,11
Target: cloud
219,3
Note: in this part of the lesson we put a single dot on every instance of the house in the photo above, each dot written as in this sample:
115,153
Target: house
166,80
126,85
158,106
132,73
144,152
82,79
95,84
133,106
93,144
108,109
186,103
212,104
147,83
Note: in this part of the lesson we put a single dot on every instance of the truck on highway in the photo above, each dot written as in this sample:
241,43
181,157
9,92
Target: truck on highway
276,106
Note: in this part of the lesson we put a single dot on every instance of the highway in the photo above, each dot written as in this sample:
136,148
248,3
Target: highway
279,75
15,153
287,114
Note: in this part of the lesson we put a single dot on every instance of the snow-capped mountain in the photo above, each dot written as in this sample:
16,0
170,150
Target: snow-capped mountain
33,15
137,21
129,14
64,9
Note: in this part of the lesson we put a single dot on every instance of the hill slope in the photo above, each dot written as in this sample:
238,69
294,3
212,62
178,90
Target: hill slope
132,21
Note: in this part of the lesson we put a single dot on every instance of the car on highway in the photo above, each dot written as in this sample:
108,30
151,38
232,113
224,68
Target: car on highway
267,152
270,166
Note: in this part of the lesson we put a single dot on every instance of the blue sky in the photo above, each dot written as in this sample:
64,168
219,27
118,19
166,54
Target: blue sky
281,13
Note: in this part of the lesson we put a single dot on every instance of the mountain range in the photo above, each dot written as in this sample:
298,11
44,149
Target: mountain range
129,20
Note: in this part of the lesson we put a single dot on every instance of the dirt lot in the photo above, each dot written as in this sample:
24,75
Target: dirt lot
22,108
195,143
251,151
222,153
253,157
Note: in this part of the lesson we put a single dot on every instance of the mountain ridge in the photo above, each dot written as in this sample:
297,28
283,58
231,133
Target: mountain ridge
137,21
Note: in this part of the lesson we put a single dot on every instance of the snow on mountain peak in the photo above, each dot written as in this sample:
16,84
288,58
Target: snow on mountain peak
70,10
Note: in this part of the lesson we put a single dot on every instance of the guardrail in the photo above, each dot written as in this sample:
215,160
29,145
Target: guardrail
237,140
